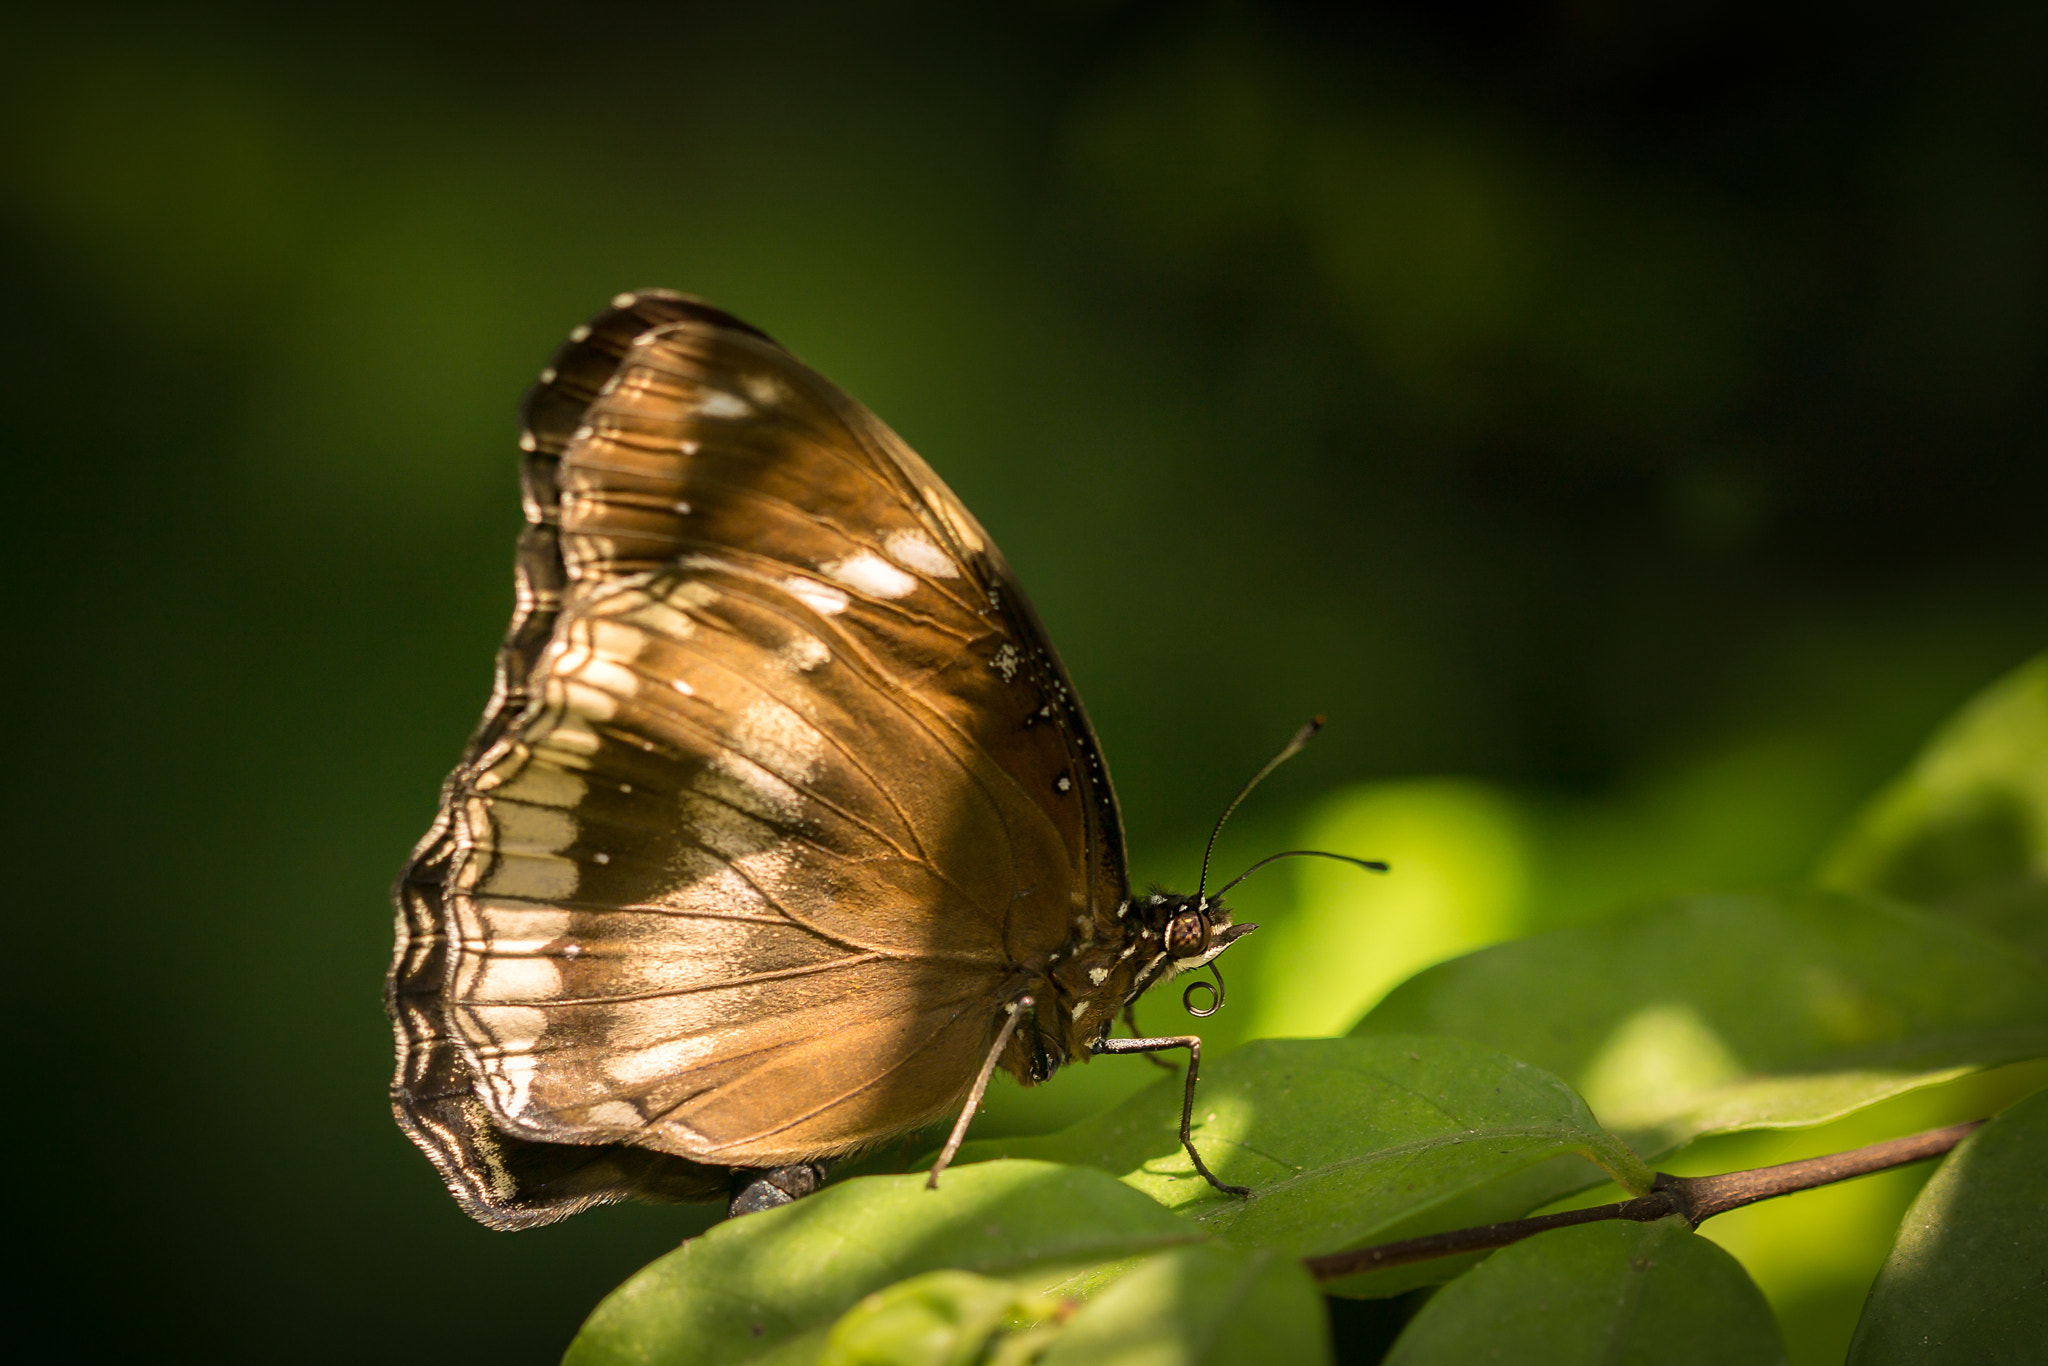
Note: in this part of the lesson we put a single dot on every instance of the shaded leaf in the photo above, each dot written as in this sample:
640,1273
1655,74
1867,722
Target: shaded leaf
1608,1293
769,1286
1710,1014
1208,1304
1964,830
1967,1280
942,1318
1343,1142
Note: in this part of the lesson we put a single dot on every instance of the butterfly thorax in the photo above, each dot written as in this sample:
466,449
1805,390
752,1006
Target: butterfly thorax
1094,976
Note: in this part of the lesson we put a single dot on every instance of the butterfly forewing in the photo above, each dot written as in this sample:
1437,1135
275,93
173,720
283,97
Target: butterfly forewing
779,791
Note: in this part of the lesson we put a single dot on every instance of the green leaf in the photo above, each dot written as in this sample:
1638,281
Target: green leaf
1343,1142
1609,1294
768,1287
1967,1280
942,1318
1965,829
1208,1304
1711,1014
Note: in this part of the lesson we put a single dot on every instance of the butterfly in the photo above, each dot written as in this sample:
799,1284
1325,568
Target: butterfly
783,826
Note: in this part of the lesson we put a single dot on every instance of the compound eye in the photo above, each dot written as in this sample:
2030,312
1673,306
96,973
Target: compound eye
1187,934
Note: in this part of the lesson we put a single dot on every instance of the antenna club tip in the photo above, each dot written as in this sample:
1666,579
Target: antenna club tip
1317,721
1301,737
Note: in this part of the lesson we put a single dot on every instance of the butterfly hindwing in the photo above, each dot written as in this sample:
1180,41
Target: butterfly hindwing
779,786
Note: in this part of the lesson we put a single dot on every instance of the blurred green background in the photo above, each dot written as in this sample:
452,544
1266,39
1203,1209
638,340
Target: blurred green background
1624,422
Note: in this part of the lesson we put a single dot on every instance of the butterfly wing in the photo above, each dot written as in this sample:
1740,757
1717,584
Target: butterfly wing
780,793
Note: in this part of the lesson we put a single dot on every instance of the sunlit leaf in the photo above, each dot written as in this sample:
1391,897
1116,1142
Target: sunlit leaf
1716,1013
1965,829
1344,1142
769,1287
1605,1294
1463,851
1965,1282
1208,1304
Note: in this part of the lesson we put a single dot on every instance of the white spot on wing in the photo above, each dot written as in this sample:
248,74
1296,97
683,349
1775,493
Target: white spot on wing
773,735
632,634
519,979
639,1066
914,550
613,678
615,645
821,598
513,1028
753,790
867,572
771,750
1005,661
1098,975
531,877
941,501
512,1083
539,784
595,703
719,403
614,1114
569,742
804,652
770,869
693,593
507,923
530,829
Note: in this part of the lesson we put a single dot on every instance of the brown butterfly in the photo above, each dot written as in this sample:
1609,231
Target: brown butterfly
783,826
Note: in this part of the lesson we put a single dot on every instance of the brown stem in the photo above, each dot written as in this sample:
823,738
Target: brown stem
1697,1198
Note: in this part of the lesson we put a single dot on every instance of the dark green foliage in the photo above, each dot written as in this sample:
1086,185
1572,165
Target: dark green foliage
1348,1141
1614,1294
1718,1013
769,1287
1964,831
1968,1277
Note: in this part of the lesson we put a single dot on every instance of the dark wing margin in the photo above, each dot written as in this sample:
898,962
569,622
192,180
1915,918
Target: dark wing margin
501,1180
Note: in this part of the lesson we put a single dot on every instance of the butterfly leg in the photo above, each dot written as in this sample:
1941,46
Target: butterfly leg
1131,1023
1017,1010
1193,1044
765,1189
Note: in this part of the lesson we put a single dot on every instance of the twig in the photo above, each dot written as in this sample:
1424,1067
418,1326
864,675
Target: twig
1697,1198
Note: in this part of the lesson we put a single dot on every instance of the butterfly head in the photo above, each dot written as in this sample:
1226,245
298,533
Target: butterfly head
1175,934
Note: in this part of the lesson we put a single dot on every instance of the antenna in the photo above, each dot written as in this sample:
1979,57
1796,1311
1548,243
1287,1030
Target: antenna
1288,751
1371,865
